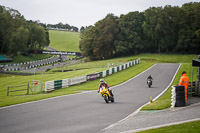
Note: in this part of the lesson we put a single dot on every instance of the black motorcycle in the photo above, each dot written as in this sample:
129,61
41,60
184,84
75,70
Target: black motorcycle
149,82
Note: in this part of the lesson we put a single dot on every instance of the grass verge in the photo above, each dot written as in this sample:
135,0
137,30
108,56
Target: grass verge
189,127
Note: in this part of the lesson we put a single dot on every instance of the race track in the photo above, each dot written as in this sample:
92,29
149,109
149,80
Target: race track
86,112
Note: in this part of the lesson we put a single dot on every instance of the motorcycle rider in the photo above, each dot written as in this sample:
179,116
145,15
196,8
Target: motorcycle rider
149,78
102,83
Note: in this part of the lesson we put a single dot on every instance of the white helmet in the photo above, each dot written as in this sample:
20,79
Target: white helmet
102,80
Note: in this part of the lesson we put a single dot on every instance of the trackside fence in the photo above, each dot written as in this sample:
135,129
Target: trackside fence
57,84
9,89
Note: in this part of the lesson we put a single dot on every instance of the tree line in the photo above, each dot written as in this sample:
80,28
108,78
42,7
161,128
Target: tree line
61,26
169,29
18,35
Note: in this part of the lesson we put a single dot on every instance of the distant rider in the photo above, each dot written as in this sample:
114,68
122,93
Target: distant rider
107,86
149,78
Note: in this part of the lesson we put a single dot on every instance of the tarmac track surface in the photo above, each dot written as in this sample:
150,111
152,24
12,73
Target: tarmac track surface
86,112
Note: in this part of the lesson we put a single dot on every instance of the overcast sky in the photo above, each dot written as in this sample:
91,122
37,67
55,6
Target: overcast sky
82,12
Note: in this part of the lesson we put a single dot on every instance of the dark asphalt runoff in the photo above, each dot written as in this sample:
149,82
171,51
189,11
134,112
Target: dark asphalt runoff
86,112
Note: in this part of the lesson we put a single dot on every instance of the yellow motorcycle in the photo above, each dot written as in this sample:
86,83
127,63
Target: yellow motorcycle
106,95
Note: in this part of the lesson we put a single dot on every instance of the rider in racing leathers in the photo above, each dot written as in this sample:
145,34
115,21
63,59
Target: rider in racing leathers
102,83
149,78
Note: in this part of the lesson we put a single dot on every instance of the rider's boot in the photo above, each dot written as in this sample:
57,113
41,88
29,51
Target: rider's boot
111,93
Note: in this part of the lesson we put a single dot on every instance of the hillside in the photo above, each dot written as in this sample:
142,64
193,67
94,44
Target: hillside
64,41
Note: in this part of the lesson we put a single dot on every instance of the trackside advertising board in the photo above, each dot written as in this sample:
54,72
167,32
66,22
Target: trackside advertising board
92,76
54,52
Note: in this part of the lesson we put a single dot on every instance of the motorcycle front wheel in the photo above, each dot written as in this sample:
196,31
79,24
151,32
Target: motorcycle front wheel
149,85
106,99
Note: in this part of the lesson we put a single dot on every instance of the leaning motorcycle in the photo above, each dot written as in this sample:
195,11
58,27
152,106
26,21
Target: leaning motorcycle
149,82
106,95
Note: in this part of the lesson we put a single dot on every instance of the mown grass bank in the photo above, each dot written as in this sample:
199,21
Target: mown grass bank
189,127
64,41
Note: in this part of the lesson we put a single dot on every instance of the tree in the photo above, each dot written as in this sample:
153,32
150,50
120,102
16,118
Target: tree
82,29
169,20
156,30
190,23
62,26
86,43
6,27
106,32
198,33
19,41
75,29
13,31
152,28
47,37
130,37
37,37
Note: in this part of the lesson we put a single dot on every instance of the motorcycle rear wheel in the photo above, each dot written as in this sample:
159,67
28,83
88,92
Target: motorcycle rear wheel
112,99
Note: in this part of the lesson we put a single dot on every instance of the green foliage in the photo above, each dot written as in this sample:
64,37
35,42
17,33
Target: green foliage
17,35
98,42
161,28
189,23
131,33
87,37
168,29
37,36
19,40
86,43
103,44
